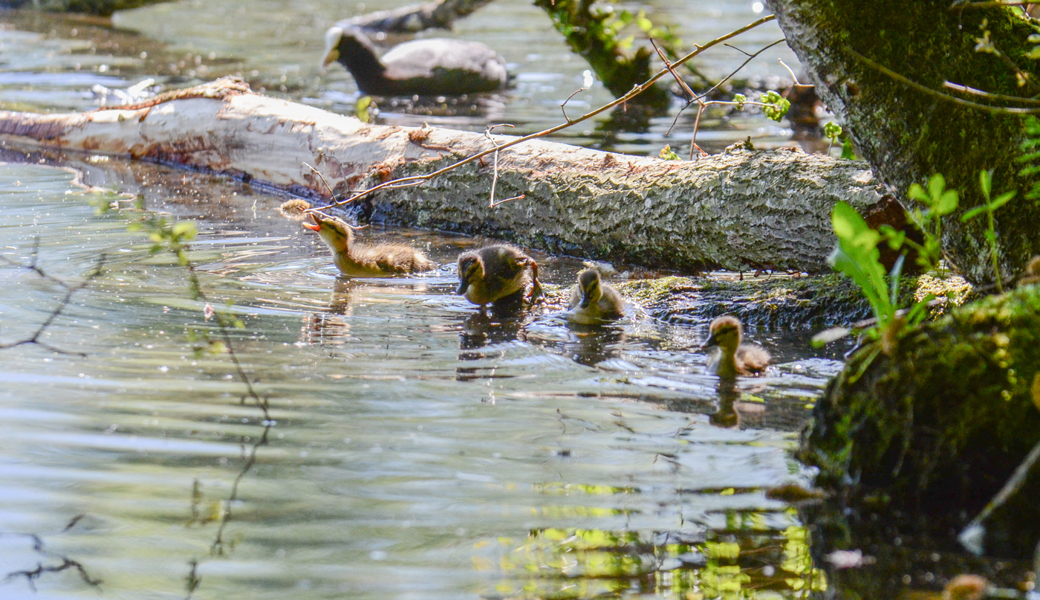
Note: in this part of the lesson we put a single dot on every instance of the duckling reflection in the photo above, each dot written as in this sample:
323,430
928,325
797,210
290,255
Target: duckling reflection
480,331
593,301
358,260
594,344
733,358
727,415
500,275
332,327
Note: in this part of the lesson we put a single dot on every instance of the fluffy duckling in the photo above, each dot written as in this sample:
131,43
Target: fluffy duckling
497,273
366,261
733,358
433,67
593,301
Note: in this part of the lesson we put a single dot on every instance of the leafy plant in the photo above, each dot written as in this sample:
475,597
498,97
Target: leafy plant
668,154
858,257
774,105
938,202
988,208
833,132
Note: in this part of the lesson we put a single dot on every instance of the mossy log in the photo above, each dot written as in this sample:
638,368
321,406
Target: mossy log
104,8
933,422
909,125
739,210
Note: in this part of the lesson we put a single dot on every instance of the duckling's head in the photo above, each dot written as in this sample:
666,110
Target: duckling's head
471,268
588,283
333,231
725,332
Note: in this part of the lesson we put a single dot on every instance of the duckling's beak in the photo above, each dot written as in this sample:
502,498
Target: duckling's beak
316,225
711,341
586,299
463,285
332,38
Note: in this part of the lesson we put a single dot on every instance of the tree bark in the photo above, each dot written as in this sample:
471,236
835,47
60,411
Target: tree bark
416,17
738,210
908,134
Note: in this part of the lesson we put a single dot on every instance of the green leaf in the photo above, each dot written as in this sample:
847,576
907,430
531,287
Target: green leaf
947,203
917,193
185,229
971,214
936,185
1001,200
848,152
985,182
829,335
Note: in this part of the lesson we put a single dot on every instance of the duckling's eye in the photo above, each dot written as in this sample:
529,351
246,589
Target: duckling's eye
471,270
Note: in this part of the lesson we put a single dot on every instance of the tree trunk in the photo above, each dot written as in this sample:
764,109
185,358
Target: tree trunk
907,134
738,210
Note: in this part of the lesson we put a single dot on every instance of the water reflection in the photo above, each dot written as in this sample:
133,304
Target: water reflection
381,470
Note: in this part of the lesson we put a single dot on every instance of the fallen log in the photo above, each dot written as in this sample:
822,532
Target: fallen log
104,8
738,210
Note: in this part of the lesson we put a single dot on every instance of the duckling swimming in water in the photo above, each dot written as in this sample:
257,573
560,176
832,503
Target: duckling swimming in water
496,274
358,260
593,301
733,358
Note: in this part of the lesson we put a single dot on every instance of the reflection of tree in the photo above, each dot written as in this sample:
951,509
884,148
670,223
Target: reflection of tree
65,564
584,563
69,290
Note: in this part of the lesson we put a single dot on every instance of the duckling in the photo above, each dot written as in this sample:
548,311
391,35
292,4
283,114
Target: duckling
733,358
496,274
433,67
593,301
357,260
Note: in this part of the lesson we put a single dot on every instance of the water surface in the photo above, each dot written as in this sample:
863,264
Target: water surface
412,448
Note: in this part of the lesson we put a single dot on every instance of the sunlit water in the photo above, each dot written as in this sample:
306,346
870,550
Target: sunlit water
412,447
277,45
415,449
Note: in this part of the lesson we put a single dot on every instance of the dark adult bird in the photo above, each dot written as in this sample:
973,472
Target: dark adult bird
495,274
433,67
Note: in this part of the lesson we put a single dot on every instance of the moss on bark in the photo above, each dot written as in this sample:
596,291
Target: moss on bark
936,425
908,135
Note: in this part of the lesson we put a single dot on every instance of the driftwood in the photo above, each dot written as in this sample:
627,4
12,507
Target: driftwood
416,17
738,210
883,67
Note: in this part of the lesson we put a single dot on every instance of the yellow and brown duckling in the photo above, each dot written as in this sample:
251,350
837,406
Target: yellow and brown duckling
497,274
593,301
733,358
358,260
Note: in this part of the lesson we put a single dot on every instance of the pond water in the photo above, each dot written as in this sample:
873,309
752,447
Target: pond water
409,447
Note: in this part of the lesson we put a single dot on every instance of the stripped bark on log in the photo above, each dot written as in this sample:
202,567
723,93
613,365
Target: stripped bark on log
737,210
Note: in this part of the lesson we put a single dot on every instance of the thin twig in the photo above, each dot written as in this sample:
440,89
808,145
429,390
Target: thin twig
939,95
563,107
998,97
793,76
494,176
420,179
